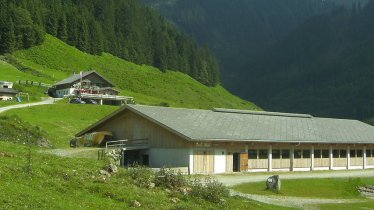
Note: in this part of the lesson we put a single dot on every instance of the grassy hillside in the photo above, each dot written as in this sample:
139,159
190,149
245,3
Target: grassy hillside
52,182
54,60
60,122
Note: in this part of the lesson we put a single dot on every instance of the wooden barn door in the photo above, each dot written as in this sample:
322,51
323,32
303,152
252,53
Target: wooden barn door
244,162
203,162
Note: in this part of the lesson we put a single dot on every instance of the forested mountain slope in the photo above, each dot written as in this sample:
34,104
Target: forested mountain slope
125,28
239,30
294,55
325,67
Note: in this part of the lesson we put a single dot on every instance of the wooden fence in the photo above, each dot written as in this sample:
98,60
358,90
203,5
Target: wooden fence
28,82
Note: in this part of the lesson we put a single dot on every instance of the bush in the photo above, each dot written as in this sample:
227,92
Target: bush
142,176
167,177
209,189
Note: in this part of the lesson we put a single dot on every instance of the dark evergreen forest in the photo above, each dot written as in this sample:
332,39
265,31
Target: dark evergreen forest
238,31
125,28
325,67
307,56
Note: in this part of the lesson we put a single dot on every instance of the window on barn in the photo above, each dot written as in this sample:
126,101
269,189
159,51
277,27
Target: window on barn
276,154
252,154
359,153
317,153
306,153
343,153
368,153
352,153
335,153
285,154
263,154
325,153
297,154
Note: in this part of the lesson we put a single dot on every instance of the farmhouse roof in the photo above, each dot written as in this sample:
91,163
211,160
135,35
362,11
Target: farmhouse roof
77,77
242,125
8,90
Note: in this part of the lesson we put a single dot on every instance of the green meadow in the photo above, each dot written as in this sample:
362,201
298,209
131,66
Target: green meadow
319,188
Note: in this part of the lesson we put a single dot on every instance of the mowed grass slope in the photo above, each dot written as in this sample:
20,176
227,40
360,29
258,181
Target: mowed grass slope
62,121
55,60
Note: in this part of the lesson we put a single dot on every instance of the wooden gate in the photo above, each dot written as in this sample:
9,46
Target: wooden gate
203,162
244,162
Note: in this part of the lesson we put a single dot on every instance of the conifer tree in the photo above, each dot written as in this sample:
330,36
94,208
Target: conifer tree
62,32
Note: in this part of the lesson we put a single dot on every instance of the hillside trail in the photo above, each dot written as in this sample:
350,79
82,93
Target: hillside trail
18,106
290,201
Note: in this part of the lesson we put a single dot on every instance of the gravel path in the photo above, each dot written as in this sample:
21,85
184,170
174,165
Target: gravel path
44,102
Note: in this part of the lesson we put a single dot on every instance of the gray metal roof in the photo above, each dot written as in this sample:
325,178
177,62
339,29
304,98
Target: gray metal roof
240,125
77,77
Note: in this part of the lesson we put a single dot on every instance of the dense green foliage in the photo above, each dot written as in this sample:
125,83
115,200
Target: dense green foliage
324,68
124,28
147,84
17,29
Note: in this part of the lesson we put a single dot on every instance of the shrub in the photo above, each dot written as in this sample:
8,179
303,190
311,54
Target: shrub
167,177
209,189
142,176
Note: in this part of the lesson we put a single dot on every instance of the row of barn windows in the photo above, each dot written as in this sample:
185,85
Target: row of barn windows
305,153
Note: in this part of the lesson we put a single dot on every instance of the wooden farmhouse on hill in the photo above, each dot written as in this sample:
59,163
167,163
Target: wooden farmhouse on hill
89,85
226,140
